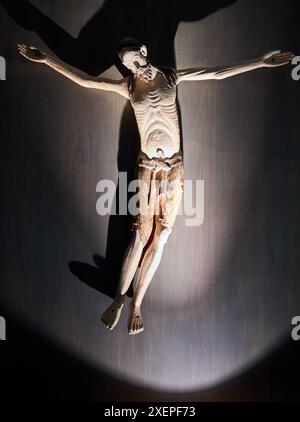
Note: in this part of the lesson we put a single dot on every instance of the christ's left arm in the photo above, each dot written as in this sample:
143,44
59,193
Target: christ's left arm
271,59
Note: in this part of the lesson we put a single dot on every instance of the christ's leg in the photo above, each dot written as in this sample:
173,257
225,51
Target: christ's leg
147,269
133,254
169,205
132,257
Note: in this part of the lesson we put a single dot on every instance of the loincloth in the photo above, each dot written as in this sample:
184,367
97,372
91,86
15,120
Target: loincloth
161,184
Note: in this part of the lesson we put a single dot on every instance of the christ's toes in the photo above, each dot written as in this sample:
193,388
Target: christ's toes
111,316
135,329
135,321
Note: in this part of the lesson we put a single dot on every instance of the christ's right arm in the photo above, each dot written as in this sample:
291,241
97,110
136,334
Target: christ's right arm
77,76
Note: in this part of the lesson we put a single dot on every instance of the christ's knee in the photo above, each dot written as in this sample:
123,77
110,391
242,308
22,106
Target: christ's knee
165,232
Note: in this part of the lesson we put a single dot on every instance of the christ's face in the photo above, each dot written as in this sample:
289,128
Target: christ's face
134,60
137,62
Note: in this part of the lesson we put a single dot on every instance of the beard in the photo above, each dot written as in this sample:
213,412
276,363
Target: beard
144,73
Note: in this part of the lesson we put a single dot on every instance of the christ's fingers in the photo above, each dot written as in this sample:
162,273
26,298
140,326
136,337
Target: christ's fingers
287,55
23,54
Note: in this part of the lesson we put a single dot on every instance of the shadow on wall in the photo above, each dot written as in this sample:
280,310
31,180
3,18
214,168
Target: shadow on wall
155,23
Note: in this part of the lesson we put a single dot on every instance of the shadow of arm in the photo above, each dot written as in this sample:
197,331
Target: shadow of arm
194,10
77,52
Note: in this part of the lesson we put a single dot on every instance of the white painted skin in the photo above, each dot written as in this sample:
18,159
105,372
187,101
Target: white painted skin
154,104
154,101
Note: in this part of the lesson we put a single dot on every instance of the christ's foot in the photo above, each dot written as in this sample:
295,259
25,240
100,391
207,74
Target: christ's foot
111,316
135,319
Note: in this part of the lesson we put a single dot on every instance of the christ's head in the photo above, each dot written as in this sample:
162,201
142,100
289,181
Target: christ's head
133,54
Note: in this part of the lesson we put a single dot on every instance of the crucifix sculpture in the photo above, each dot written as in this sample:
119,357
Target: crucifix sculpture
152,92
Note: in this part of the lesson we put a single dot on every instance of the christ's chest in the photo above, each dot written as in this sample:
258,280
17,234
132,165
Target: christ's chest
155,94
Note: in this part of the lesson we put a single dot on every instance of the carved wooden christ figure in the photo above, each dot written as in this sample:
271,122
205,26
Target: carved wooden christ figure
152,93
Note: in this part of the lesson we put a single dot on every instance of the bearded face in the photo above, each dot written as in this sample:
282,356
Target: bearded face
144,73
137,62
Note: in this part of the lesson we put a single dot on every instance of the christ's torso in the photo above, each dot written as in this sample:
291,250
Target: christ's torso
155,108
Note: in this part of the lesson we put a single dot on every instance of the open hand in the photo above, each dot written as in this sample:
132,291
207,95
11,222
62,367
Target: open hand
32,53
277,58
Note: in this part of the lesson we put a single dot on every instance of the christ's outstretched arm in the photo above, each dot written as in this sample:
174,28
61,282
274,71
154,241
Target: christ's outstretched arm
271,59
77,76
